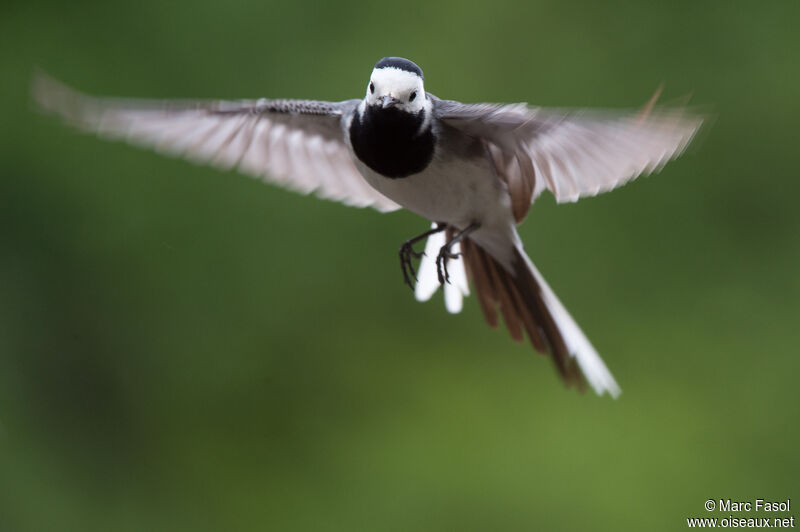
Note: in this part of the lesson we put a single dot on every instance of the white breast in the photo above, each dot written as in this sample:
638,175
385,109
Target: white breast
457,191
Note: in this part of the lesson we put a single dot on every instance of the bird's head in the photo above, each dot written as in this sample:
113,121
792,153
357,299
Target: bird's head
397,83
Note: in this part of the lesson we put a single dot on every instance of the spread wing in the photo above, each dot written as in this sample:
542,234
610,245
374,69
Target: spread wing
298,144
572,153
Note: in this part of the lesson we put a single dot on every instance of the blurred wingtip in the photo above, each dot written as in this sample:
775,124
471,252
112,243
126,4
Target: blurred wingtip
683,100
40,81
50,95
652,101
701,116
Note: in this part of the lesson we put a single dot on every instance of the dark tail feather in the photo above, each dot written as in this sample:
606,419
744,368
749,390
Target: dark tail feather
527,304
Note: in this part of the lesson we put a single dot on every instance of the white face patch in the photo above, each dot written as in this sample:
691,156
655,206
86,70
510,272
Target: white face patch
404,86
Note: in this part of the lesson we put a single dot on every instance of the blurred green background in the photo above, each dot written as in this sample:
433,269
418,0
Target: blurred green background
188,349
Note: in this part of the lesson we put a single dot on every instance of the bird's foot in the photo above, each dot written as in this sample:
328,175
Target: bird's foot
406,253
445,254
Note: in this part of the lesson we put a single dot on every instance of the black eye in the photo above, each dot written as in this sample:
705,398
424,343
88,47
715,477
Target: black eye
371,87
412,96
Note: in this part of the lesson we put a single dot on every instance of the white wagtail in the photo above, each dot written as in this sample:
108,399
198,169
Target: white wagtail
472,169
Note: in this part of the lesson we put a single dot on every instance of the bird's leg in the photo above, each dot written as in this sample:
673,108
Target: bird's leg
446,253
407,252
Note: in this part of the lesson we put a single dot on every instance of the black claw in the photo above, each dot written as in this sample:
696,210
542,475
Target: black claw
446,254
407,253
441,263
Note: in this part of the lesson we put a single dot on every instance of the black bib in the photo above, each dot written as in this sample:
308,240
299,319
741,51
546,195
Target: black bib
389,141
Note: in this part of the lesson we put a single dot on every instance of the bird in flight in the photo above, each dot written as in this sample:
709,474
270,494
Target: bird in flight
473,170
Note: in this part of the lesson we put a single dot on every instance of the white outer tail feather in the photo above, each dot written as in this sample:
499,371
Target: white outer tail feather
592,366
428,277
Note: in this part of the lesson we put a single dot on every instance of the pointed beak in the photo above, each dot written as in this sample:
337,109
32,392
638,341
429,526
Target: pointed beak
389,101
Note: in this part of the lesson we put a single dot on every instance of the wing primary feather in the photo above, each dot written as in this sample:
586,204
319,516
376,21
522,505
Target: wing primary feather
264,138
573,153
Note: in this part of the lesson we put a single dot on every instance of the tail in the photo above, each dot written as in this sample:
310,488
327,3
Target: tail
528,304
